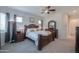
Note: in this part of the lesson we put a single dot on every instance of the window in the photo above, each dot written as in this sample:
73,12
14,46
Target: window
2,21
19,19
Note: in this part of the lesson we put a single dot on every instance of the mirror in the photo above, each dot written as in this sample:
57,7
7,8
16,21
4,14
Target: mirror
52,24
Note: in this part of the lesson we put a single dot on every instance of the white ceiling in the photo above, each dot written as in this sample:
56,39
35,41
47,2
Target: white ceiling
30,9
37,9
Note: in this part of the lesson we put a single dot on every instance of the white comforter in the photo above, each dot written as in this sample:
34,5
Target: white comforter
34,35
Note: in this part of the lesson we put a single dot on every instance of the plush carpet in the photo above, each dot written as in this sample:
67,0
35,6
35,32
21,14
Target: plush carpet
26,46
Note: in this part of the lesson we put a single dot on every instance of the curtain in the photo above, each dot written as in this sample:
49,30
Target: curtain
14,30
7,34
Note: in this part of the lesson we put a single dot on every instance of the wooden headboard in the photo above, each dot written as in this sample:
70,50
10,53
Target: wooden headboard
31,26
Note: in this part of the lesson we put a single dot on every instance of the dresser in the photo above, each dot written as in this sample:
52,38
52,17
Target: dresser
53,30
19,36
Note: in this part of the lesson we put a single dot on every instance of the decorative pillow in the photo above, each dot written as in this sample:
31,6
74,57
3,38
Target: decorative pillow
32,30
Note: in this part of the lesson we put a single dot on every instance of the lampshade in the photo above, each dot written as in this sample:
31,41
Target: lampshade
39,22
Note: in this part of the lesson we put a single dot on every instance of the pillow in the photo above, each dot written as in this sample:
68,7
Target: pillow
49,32
31,29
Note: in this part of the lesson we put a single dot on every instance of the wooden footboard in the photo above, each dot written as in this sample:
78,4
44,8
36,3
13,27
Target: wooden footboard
44,40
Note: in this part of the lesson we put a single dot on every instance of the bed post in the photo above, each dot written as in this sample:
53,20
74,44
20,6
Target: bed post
25,28
39,42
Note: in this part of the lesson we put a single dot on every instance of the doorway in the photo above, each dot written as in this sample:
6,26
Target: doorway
71,28
71,22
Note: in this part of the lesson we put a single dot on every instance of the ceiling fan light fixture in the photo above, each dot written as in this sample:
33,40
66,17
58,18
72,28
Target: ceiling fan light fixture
46,11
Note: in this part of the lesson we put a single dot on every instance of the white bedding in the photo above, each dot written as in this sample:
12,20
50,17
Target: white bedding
34,35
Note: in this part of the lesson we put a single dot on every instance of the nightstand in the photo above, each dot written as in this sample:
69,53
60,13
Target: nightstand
19,36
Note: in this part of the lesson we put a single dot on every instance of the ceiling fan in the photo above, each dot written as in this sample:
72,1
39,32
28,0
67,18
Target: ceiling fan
48,9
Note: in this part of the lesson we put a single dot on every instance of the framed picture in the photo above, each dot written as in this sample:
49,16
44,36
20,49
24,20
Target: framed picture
32,20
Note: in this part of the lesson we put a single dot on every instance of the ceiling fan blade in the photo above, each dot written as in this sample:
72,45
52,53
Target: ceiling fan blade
42,12
48,7
52,10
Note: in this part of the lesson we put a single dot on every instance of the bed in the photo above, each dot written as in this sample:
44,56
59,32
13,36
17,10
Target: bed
40,37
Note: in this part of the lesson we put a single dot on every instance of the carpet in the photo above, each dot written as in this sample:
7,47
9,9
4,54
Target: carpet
27,46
